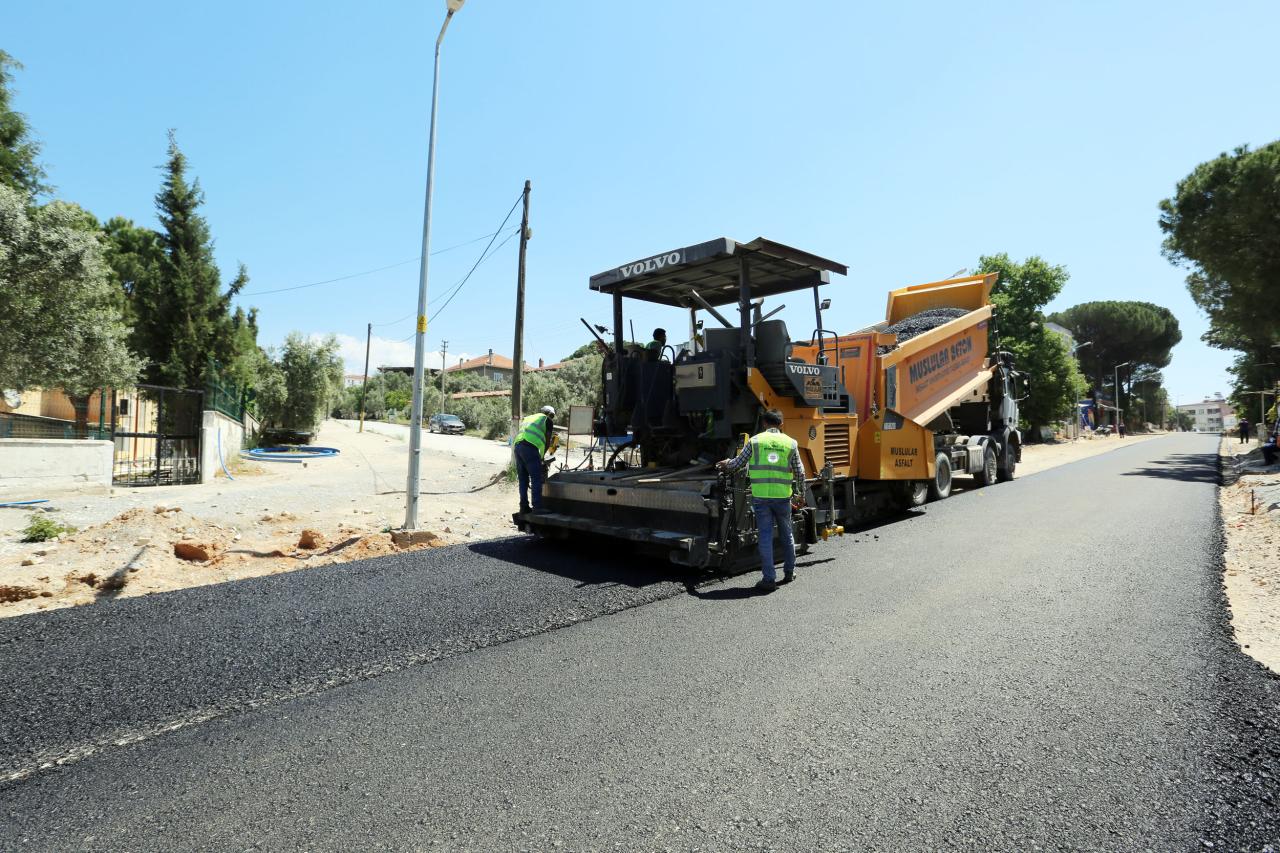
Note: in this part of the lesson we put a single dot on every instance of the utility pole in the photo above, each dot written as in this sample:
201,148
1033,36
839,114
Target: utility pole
444,362
517,374
364,389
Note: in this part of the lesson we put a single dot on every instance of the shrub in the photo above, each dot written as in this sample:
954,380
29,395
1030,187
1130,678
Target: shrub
42,529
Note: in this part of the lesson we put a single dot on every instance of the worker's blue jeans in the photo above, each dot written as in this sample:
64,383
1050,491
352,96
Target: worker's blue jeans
770,511
529,472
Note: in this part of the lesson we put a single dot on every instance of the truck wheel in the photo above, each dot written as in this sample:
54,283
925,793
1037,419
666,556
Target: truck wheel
911,494
989,472
940,485
1005,472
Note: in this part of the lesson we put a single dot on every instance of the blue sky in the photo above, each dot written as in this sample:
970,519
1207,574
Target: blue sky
904,140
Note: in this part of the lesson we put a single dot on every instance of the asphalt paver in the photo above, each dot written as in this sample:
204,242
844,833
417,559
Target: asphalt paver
1043,664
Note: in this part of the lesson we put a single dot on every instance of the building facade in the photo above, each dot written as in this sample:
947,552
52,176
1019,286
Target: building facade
1214,415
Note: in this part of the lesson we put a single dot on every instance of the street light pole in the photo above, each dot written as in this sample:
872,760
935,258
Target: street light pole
1117,380
420,339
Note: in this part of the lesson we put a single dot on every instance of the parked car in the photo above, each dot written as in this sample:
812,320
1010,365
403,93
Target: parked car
447,424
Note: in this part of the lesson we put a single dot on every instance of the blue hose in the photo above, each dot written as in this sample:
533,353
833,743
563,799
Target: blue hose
300,453
222,461
24,503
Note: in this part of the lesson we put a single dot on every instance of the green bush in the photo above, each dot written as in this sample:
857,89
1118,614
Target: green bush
43,528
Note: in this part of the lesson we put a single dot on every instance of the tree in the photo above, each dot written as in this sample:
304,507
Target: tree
63,327
1223,224
301,384
1140,333
1020,294
19,169
182,319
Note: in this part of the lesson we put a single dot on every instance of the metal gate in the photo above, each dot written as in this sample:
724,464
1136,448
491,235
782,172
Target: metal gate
156,431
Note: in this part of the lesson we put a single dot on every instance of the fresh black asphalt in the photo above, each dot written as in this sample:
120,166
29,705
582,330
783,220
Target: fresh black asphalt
1046,664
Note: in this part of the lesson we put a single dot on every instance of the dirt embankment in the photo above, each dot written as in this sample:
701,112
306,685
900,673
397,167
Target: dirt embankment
141,551
1250,503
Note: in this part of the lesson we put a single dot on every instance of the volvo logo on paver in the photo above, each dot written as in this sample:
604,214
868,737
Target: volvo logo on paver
650,264
804,369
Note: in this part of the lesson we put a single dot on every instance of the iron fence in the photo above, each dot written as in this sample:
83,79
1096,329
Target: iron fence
33,426
225,396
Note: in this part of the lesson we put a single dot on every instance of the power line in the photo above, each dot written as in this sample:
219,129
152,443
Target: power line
451,291
372,271
483,255
458,289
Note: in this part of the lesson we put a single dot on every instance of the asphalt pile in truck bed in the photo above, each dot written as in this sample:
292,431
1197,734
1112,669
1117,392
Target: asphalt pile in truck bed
917,324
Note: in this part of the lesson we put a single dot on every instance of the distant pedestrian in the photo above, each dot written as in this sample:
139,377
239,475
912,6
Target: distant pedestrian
1244,430
531,446
777,478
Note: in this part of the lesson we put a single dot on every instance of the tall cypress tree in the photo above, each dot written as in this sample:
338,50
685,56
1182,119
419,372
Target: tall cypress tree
184,326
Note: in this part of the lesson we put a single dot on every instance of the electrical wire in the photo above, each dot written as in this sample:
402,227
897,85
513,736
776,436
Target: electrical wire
483,254
372,271
459,287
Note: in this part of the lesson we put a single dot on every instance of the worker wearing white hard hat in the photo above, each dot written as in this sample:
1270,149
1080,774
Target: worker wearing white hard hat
530,447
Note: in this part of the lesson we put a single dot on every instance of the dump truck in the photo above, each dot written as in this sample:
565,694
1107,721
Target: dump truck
883,417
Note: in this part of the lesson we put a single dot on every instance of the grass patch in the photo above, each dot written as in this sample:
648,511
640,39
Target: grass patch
42,529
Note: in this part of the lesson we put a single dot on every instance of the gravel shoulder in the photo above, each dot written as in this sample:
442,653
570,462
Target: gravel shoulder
126,541
1250,506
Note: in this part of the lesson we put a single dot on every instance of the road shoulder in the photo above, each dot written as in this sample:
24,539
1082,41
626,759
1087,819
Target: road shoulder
1249,499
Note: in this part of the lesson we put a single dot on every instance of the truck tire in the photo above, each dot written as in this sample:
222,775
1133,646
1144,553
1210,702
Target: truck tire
910,494
940,485
1010,462
990,470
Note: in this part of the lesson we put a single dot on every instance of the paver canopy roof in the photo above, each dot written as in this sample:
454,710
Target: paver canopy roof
712,269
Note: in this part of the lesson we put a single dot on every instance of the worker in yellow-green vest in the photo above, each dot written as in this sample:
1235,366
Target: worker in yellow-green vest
777,478
531,446
655,347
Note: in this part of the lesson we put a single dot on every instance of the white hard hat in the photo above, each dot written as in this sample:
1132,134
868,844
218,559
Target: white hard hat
548,410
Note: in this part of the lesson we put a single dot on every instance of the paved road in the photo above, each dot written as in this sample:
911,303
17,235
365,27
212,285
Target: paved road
1041,665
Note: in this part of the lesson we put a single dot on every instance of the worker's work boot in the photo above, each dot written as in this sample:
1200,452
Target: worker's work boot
767,585
788,577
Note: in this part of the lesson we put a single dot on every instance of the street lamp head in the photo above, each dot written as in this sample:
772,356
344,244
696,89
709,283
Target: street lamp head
454,5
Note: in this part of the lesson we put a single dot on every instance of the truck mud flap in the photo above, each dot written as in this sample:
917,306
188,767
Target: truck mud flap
681,548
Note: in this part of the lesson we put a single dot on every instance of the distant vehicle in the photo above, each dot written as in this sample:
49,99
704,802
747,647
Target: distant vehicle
447,424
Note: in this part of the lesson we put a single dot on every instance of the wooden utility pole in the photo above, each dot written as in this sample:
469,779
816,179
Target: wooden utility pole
517,373
444,362
364,389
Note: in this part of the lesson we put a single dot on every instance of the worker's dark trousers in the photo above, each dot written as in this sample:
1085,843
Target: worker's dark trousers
529,471
770,511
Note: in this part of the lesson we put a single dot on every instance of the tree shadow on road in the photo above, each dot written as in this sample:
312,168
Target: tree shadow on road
1185,467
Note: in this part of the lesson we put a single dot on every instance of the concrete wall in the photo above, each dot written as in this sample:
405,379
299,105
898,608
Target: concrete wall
36,467
232,435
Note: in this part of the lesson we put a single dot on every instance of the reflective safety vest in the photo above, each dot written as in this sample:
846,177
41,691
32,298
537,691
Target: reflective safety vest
533,429
769,465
